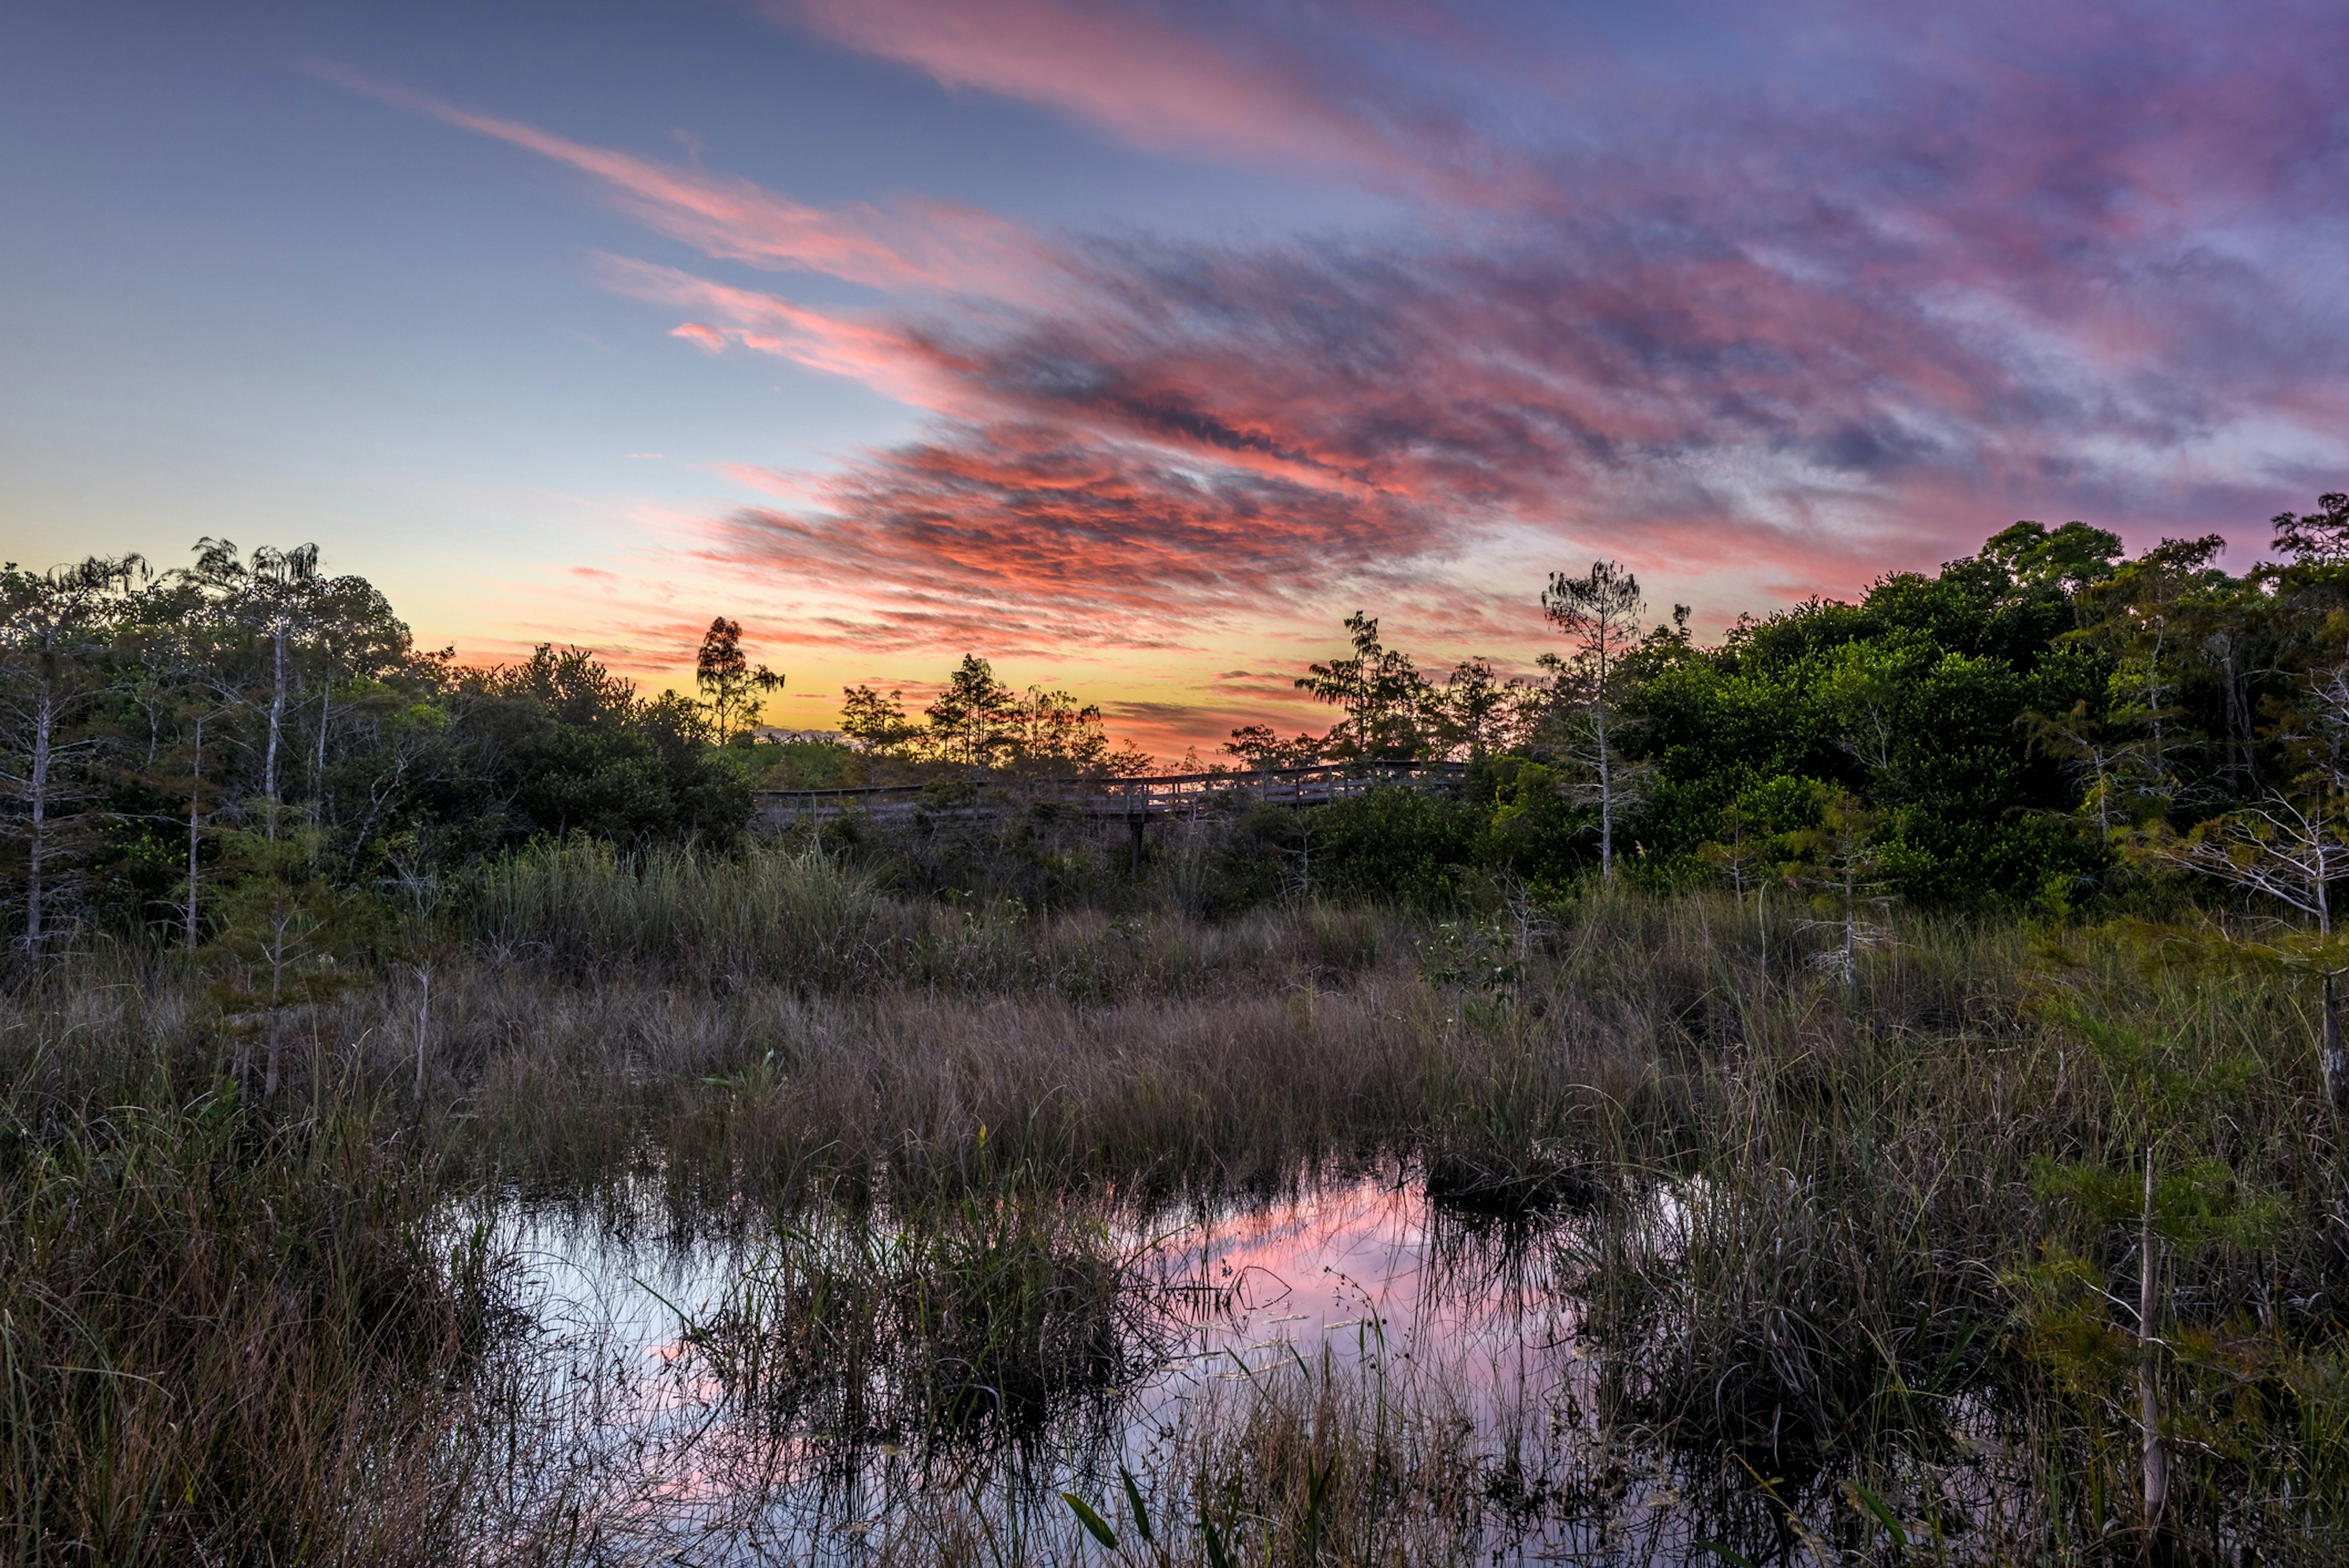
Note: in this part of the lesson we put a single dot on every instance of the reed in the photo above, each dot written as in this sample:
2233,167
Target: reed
985,1316
1819,1232
227,1336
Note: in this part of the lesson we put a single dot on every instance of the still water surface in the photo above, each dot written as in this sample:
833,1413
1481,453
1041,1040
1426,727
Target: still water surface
1358,1285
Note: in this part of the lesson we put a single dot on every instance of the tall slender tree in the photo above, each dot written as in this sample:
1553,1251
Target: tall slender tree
730,684
1477,709
874,723
1386,701
55,631
1600,612
973,719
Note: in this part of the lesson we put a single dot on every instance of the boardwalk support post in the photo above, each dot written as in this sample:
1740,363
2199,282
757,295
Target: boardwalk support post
1133,824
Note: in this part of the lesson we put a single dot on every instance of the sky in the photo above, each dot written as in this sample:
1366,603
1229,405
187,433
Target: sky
1132,345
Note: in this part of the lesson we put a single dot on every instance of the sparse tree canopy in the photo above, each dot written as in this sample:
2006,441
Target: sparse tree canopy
1388,706
974,719
873,722
1259,746
1599,612
2320,538
729,683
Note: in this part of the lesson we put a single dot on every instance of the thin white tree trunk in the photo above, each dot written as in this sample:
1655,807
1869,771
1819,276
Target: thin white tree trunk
1850,930
2332,1055
1606,770
318,776
276,997
1606,802
423,1018
276,726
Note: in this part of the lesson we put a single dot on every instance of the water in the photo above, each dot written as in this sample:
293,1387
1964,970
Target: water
1458,1339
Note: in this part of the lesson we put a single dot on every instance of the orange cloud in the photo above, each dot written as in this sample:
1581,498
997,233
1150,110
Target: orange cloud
1010,534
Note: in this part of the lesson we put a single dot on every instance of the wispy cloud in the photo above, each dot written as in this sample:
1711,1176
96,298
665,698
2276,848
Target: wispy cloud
1855,302
1015,536
1191,81
909,243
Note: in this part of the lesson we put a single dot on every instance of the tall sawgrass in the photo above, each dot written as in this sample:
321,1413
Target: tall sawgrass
800,915
987,1315
1824,1228
227,1334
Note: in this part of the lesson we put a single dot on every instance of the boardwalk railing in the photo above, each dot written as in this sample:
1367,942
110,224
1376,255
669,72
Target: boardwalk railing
1126,799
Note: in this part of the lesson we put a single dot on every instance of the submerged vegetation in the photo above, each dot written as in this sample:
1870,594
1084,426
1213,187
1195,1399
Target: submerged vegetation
1912,1127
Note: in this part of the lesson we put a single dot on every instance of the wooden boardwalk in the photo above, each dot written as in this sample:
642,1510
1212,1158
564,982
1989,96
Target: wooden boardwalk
1129,800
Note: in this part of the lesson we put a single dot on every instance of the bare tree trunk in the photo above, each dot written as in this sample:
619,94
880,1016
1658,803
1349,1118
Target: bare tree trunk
1606,793
1850,930
276,995
2148,1382
276,727
2153,695
195,826
318,776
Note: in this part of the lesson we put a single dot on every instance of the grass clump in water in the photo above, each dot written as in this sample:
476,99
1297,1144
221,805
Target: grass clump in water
991,1312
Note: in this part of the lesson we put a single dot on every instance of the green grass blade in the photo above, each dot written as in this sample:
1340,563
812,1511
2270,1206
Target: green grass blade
1884,1514
1093,1522
1141,1513
1216,1557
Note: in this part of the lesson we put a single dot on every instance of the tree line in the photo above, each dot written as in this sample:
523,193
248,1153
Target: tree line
2012,726
171,741
2032,725
979,721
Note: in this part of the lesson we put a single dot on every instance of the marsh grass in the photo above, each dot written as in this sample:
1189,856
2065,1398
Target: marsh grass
1820,1233
984,1317
226,1336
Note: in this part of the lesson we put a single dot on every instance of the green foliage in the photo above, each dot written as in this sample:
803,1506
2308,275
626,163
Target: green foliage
808,764
154,729
1396,844
1385,701
566,746
2019,726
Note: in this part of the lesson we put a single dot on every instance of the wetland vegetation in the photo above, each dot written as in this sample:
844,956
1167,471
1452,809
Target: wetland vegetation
434,1131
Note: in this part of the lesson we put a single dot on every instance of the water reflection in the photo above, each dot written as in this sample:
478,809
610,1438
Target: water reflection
858,1390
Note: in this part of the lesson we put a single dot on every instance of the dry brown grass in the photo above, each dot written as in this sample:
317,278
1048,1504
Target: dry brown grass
1810,1219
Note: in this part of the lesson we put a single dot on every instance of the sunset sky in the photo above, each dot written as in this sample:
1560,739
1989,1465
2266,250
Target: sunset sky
1132,345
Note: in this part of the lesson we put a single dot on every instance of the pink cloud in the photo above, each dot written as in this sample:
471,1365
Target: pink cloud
885,355
1801,333
1024,538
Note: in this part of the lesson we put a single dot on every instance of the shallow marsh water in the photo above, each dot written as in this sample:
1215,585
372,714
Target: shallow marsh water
1353,1296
